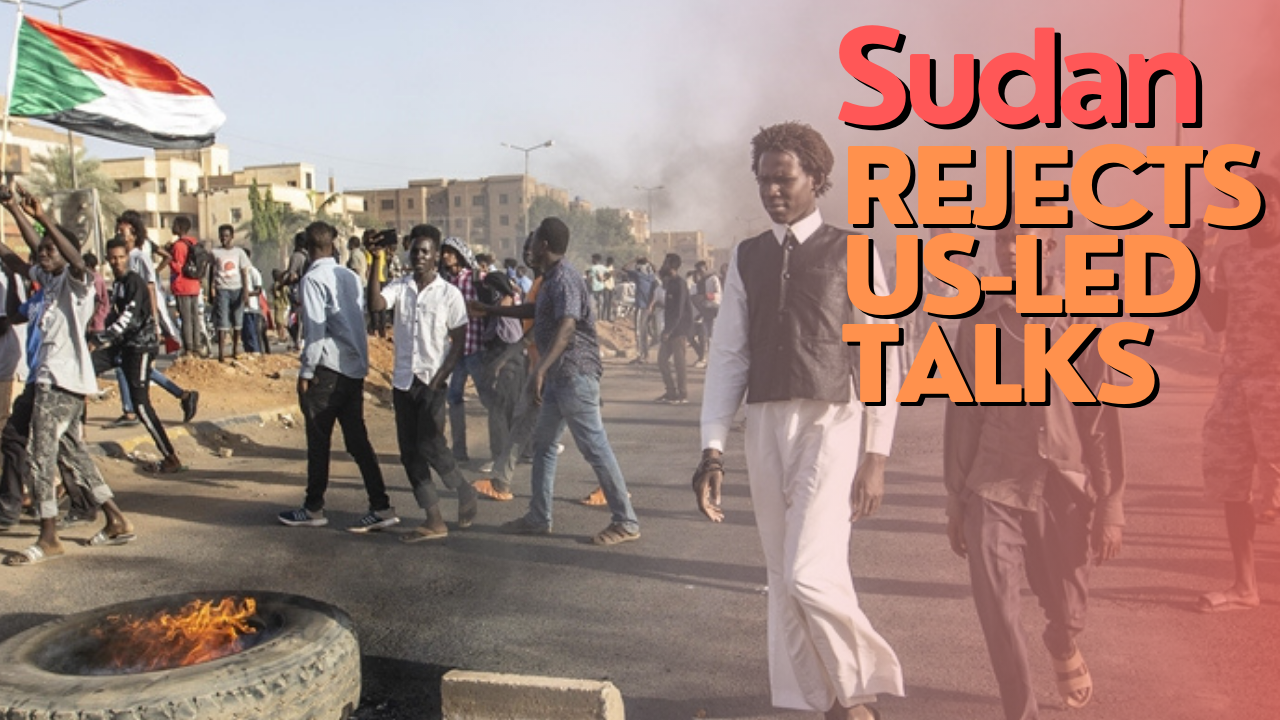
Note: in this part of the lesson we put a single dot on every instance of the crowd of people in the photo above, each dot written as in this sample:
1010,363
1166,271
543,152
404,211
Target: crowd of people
1032,491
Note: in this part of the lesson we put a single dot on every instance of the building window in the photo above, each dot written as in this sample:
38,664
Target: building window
408,203
293,183
137,184
182,187
477,201
309,181
162,217
504,220
162,186
457,201
502,200
236,215
387,205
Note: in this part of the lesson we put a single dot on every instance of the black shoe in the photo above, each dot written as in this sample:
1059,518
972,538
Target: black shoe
190,403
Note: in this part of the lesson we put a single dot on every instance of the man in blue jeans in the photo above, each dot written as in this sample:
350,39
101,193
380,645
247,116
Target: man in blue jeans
566,386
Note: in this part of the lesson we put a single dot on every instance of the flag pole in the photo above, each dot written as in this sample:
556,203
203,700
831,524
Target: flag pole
8,99
8,95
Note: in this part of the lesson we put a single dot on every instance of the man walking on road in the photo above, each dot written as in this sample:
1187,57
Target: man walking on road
335,360
1242,427
677,326
430,330
779,343
566,384
1032,488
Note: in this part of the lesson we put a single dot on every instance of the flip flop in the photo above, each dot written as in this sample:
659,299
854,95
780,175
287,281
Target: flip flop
102,539
597,499
1071,676
1216,602
33,555
417,536
486,489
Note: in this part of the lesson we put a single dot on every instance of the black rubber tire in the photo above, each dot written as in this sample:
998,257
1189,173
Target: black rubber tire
309,671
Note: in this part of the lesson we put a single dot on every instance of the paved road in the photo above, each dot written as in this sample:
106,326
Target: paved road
677,620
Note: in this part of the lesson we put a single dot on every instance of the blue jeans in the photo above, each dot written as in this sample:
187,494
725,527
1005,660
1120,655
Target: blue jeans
157,377
229,311
468,365
575,402
250,334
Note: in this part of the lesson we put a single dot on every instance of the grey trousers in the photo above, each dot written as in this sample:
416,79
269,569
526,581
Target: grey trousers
55,439
1051,545
189,316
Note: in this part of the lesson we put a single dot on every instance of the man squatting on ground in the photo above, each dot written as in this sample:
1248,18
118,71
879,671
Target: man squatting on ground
429,327
779,342
129,342
1032,487
335,360
1242,427
63,372
566,386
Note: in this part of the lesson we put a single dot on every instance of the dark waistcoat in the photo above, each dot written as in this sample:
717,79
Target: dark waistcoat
797,305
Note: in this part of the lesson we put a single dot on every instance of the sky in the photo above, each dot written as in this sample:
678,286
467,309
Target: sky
659,92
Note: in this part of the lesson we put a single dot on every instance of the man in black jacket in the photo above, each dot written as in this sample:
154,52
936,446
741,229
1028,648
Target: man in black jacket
677,326
130,341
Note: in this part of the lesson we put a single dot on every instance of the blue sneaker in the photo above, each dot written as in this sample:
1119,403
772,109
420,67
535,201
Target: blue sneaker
373,522
303,517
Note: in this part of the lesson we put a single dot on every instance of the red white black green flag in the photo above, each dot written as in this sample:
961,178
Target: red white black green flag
108,89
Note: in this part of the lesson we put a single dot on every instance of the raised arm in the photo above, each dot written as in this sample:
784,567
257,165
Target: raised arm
70,253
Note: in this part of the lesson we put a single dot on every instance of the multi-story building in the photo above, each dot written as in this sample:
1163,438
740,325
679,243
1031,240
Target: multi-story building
201,185
487,212
688,244
26,142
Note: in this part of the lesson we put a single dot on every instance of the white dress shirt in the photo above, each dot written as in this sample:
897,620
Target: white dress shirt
730,360
422,326
333,321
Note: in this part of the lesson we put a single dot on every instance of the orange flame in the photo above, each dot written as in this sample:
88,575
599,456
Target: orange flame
201,631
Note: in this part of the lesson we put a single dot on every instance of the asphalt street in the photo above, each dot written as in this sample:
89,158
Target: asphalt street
677,620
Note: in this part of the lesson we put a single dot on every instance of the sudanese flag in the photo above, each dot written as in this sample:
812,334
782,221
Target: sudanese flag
107,89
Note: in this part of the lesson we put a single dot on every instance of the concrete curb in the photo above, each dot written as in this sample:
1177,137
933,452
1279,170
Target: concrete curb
122,448
468,695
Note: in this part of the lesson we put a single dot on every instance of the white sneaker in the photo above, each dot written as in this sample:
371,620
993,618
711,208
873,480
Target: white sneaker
487,467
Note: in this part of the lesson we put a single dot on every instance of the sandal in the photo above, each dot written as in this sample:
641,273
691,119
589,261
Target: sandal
1216,602
102,539
597,498
614,535
486,489
1072,675
33,555
423,534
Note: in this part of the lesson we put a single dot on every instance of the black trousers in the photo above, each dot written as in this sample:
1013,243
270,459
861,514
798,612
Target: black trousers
136,364
674,349
420,429
1051,546
333,397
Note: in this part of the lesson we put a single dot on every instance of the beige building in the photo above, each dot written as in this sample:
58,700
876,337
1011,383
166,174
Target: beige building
201,185
688,244
488,213
25,142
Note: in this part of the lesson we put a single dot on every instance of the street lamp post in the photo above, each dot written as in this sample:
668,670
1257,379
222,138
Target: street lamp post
524,180
649,191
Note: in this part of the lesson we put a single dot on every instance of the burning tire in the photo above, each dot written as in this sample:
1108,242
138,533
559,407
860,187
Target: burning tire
304,663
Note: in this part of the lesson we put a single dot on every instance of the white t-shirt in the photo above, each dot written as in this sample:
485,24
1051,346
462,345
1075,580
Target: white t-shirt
63,359
255,283
140,262
422,325
228,262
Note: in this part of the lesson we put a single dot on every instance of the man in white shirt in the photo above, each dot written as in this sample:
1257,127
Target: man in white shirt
335,360
778,343
430,329
228,280
63,376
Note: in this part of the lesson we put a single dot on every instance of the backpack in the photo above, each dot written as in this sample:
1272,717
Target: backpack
198,260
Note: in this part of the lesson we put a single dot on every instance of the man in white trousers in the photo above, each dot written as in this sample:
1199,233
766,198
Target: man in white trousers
779,343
